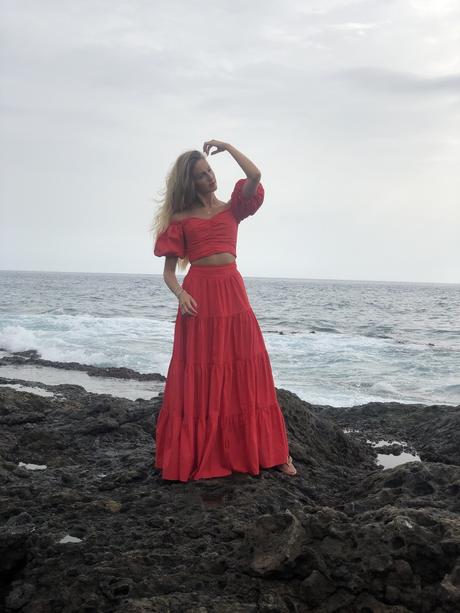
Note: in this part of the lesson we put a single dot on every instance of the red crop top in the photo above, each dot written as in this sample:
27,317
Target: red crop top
198,237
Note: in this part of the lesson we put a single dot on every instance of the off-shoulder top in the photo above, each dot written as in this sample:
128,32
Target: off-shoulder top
198,237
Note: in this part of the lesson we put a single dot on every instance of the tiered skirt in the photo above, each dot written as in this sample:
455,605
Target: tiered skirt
220,412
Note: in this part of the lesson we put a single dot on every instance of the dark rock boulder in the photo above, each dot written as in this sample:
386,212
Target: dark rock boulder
432,430
98,530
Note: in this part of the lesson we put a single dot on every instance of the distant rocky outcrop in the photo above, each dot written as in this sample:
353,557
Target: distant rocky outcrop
98,530
32,357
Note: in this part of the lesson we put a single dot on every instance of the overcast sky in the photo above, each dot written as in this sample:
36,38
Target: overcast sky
350,109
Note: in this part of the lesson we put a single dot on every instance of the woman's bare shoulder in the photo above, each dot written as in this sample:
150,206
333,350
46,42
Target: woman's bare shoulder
197,212
178,216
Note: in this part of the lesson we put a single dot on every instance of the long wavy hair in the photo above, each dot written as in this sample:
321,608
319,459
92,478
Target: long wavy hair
178,195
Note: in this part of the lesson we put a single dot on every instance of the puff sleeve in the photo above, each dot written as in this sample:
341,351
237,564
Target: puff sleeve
243,207
171,242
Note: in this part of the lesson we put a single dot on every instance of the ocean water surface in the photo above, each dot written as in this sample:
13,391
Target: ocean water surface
339,343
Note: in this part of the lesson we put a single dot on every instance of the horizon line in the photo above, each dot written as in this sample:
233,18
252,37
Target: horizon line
86,272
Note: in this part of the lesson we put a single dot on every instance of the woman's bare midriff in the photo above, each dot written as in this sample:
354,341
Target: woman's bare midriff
215,259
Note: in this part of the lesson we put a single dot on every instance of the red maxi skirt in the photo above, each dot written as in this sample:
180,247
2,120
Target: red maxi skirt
220,411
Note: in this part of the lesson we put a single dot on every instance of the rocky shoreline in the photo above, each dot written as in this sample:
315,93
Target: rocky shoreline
89,526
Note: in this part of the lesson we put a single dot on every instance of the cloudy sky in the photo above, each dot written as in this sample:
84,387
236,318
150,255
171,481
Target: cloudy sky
351,109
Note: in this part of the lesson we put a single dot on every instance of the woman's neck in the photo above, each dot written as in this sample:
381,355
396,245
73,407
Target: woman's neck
209,201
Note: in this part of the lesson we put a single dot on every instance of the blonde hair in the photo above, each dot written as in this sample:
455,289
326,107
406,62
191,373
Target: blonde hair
179,195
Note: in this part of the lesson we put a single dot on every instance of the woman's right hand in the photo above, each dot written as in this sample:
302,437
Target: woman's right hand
187,304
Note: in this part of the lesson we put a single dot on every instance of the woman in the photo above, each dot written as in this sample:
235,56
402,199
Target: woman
220,412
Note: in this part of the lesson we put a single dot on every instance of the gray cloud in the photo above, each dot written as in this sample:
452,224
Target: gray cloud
349,107
391,81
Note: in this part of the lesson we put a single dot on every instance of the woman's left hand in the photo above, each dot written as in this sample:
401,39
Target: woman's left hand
218,144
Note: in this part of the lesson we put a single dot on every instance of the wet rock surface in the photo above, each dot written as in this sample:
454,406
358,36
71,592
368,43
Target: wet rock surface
433,431
32,357
99,530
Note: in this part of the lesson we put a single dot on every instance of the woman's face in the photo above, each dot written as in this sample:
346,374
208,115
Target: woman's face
204,177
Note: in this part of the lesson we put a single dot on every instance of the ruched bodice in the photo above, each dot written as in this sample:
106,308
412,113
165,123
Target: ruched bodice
198,237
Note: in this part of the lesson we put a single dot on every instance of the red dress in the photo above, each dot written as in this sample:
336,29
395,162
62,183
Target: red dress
220,411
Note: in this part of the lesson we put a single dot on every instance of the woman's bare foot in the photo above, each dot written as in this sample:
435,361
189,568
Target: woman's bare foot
288,468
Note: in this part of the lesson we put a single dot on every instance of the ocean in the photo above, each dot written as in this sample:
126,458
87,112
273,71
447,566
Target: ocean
331,342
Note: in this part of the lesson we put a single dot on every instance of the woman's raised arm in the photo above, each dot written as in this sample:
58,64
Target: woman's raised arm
251,171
